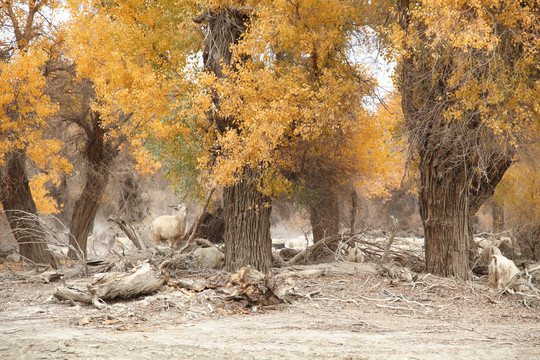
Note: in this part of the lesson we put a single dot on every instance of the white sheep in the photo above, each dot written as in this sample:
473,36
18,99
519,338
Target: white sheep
168,228
501,271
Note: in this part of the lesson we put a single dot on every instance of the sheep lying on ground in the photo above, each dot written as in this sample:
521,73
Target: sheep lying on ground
355,255
169,228
209,257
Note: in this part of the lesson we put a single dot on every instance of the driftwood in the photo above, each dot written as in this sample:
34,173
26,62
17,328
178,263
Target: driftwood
108,286
130,233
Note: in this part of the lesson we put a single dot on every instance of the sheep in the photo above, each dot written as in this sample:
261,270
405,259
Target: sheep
355,255
487,253
298,243
169,228
501,271
209,257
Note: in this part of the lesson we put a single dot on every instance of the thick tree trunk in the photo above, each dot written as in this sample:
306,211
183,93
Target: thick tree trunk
247,226
444,208
460,160
99,155
324,215
21,210
354,210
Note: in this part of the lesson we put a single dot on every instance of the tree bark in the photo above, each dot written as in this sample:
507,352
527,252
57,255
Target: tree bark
497,211
324,215
247,225
21,210
459,161
354,210
444,205
99,154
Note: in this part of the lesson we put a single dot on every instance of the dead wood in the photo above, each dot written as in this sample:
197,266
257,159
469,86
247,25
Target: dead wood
108,286
193,230
258,288
331,246
396,272
325,269
48,276
196,285
390,240
130,233
204,242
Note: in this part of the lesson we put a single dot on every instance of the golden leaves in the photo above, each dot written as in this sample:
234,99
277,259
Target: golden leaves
23,105
484,56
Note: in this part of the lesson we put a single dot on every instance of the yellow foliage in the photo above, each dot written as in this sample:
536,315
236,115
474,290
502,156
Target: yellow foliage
298,103
486,52
44,203
23,105
384,164
519,192
25,109
135,56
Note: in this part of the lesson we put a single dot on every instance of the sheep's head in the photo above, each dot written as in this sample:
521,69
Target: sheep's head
181,209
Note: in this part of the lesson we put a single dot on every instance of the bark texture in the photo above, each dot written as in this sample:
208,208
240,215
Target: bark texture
99,154
324,215
444,213
247,226
21,210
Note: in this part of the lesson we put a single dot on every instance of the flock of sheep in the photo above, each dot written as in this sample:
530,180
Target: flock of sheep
166,229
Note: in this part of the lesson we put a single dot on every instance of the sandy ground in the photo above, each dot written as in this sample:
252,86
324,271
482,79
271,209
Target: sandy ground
364,316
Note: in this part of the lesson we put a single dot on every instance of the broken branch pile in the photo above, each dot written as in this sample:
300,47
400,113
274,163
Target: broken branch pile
374,249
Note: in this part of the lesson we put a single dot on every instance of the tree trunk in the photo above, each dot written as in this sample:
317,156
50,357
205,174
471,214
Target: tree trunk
246,211
354,210
85,209
99,155
21,210
247,226
497,211
460,160
324,215
444,210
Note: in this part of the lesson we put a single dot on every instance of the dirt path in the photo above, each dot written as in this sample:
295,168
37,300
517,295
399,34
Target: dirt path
350,317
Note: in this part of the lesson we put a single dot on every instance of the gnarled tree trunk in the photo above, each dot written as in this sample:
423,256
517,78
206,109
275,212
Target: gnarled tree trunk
99,155
461,160
21,210
444,208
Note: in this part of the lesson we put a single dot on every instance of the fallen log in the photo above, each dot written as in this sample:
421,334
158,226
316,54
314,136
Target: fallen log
325,269
108,286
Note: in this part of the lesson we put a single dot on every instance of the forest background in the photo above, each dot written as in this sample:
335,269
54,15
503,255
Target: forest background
96,109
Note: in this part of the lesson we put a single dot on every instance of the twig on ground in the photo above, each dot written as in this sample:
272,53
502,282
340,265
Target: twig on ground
396,308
